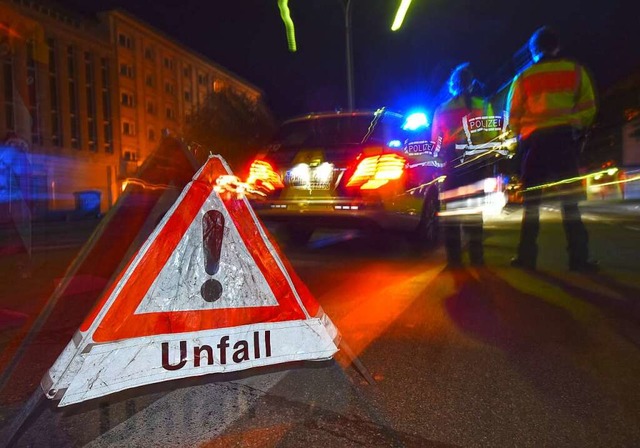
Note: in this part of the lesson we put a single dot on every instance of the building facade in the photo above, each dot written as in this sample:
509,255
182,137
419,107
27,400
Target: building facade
91,97
160,83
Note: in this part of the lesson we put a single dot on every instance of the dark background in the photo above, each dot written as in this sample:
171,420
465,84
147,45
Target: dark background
402,69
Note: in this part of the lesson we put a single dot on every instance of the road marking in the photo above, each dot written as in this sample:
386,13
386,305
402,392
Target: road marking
633,228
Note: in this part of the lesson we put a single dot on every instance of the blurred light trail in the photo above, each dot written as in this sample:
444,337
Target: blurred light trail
616,182
288,24
9,31
145,185
402,11
608,171
421,187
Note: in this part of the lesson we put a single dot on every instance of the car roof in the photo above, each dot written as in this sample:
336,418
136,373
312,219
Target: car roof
338,113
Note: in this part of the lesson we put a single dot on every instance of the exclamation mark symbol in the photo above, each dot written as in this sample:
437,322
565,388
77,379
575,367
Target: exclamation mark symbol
212,232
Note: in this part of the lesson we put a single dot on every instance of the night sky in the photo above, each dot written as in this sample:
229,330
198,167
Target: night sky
401,70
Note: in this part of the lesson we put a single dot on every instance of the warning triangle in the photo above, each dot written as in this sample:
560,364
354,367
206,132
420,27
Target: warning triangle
208,292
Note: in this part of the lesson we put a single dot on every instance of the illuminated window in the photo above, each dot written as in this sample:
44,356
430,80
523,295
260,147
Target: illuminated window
151,107
149,54
125,41
54,96
130,155
127,99
106,105
73,98
218,86
168,63
150,80
90,90
126,70
33,95
128,128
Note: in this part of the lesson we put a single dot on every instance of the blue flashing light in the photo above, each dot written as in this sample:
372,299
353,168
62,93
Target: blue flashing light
415,121
395,144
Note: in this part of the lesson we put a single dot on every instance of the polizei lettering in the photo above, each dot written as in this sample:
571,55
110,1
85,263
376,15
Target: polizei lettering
491,123
427,147
221,353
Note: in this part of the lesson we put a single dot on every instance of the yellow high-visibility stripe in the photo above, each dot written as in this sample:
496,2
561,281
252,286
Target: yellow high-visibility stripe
538,100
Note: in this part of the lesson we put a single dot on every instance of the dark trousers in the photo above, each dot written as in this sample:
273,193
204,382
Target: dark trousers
454,227
551,155
574,229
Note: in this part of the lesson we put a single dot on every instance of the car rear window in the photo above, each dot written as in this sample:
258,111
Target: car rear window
324,131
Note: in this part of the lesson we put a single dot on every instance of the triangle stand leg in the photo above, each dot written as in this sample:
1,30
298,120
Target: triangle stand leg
355,361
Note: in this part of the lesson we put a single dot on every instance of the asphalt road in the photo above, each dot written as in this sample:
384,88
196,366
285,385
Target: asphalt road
475,357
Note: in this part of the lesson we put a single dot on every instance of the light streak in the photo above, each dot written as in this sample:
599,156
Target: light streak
285,14
145,185
439,179
616,182
570,180
10,31
402,11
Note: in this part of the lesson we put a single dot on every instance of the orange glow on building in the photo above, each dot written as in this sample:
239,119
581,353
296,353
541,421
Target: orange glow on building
92,98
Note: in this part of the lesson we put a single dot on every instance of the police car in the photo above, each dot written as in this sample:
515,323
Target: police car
350,170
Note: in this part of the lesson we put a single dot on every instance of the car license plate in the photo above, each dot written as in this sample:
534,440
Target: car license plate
306,177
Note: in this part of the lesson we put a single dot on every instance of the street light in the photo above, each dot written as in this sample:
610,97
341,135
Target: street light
397,23
349,52
346,7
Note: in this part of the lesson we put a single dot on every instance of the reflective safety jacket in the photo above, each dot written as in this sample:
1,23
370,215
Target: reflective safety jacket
464,130
551,93
449,120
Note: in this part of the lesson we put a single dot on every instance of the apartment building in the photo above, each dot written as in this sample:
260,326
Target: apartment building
160,83
91,96
57,82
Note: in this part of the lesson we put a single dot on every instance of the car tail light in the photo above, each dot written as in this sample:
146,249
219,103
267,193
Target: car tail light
261,174
375,171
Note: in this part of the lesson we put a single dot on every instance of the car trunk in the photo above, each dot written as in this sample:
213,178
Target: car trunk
313,172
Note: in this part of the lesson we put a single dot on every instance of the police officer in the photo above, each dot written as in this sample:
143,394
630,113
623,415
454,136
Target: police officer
550,105
448,123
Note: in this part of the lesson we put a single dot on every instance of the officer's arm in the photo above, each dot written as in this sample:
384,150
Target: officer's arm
515,105
585,108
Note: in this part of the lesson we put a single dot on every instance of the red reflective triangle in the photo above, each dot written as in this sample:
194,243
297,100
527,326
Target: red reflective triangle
120,320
